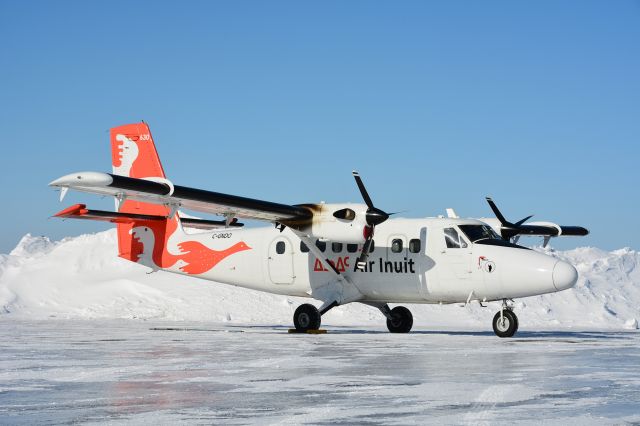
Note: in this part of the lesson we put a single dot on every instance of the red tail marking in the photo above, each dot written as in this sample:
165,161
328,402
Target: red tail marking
147,162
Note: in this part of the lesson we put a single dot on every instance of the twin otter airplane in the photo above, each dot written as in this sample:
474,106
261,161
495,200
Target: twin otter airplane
335,253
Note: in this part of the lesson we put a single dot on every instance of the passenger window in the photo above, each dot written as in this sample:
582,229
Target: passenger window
321,245
303,247
280,246
352,248
396,245
414,245
336,247
452,239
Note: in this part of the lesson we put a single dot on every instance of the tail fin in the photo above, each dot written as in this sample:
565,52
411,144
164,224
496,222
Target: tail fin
134,154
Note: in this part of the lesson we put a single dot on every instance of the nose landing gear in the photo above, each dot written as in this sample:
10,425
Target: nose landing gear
505,322
399,319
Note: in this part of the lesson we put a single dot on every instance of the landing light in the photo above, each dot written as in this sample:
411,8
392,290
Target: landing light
346,214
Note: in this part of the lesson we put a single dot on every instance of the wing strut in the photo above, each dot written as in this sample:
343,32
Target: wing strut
339,291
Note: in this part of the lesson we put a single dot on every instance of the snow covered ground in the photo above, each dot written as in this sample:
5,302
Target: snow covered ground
82,277
90,338
158,372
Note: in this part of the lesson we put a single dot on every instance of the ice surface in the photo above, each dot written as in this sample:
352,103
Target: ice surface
150,372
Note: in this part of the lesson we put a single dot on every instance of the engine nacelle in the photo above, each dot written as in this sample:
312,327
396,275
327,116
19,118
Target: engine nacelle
549,225
344,223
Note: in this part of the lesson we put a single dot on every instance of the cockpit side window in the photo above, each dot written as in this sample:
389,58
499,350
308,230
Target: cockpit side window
479,232
452,239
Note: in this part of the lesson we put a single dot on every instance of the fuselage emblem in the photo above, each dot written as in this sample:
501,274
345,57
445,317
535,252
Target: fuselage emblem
486,264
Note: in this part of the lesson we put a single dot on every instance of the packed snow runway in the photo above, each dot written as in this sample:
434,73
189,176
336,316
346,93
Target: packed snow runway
99,371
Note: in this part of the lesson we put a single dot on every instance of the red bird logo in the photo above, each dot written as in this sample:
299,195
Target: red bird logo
197,257
200,258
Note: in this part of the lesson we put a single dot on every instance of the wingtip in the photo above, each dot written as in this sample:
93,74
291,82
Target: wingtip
83,179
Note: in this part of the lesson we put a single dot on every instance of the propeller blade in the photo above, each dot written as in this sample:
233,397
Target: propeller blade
363,190
375,216
520,222
497,212
362,259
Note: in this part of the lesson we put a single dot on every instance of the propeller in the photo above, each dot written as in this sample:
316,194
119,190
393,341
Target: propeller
508,229
374,216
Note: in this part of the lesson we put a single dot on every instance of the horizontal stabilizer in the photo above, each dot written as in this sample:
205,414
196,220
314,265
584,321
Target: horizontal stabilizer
80,211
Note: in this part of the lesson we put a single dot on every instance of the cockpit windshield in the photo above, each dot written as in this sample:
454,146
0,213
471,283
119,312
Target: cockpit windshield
479,232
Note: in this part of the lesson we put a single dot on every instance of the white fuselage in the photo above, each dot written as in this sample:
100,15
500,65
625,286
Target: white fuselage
411,262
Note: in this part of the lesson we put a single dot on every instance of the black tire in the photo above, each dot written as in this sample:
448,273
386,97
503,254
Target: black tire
401,321
507,328
306,317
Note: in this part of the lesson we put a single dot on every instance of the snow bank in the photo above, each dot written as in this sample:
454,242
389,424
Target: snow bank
81,277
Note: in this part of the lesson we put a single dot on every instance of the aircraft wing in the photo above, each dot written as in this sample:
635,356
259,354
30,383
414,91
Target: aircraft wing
162,191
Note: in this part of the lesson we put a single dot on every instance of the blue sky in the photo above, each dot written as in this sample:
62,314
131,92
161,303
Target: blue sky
436,104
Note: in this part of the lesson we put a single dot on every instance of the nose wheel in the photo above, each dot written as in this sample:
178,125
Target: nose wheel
400,320
505,323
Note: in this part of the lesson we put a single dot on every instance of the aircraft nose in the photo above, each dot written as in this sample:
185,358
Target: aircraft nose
564,275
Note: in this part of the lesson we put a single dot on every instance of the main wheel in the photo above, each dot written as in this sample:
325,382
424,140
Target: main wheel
306,317
507,326
401,320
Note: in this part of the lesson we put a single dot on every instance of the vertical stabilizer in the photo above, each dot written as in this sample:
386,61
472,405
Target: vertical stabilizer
134,154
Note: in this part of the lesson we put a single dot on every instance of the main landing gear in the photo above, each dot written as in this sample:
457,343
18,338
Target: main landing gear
308,317
505,322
